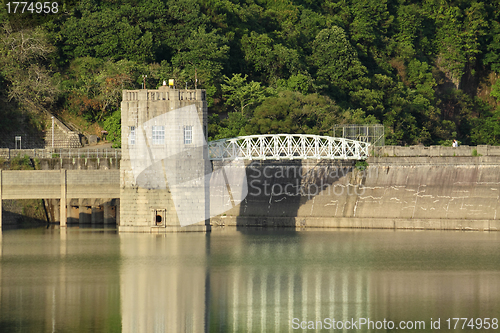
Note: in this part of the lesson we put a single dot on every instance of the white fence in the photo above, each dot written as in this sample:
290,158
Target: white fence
287,146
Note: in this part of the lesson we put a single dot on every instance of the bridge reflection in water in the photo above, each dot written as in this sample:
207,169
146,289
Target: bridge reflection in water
259,281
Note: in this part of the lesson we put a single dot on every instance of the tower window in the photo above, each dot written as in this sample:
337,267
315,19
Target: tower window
188,135
158,135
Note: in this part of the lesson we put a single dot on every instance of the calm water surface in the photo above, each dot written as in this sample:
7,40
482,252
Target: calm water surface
84,280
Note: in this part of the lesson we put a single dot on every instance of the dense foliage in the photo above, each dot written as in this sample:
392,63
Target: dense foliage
426,70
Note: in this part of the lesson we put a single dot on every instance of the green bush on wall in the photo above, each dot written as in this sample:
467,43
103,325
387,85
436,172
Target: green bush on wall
21,163
361,165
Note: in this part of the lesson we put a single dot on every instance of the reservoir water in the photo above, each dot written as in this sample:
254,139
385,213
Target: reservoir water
244,280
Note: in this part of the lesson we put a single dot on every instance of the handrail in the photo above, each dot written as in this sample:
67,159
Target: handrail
287,146
8,154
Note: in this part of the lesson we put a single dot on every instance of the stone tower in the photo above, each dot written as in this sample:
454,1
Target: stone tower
163,186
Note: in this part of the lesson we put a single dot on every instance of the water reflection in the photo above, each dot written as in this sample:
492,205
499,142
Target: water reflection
230,281
52,281
163,282
259,282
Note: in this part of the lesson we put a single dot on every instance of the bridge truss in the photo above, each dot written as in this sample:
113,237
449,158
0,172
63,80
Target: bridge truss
287,146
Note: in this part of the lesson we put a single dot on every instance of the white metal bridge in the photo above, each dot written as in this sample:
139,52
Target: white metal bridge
287,146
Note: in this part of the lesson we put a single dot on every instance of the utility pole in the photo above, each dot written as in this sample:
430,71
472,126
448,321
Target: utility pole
52,132
144,81
195,79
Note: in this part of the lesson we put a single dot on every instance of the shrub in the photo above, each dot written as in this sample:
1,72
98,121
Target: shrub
361,165
474,153
21,163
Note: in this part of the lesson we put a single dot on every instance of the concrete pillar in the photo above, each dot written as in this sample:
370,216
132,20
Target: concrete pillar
63,202
0,199
117,211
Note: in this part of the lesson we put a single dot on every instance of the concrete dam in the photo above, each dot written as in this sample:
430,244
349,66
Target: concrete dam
456,193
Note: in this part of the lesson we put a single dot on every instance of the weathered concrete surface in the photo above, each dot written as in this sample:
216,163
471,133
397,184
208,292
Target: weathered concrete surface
414,192
109,163
153,200
458,193
433,151
65,185
46,184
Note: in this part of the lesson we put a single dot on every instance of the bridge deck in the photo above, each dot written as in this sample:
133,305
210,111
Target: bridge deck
59,184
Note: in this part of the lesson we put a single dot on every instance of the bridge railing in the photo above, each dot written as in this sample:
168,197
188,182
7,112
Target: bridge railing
287,146
8,154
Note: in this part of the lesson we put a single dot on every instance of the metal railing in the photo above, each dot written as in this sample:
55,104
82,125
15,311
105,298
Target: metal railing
253,147
8,154
287,146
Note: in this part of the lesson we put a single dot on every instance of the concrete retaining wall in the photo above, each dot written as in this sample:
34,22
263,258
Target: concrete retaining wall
414,192
433,151
459,193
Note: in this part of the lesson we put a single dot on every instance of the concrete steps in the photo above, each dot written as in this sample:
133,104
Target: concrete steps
62,136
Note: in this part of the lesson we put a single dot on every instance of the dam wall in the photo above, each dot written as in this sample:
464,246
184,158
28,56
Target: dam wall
457,193
428,192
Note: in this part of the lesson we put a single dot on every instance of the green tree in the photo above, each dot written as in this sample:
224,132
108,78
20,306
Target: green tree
272,59
114,32
205,53
492,57
23,62
301,82
336,60
113,125
94,87
230,127
294,113
112,80
240,94
370,20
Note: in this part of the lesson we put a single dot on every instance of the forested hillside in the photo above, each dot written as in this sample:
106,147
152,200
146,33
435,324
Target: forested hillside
426,70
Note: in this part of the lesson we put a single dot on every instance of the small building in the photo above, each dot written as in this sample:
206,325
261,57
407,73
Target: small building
163,186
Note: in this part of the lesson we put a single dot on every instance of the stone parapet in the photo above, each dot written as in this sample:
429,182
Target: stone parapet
67,153
419,150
